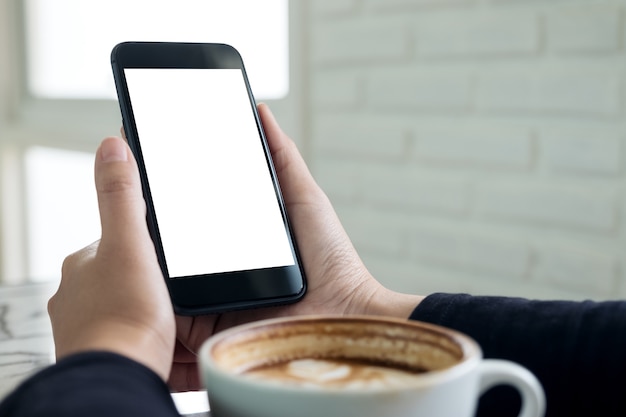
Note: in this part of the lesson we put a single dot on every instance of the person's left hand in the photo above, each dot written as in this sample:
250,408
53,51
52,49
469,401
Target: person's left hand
112,296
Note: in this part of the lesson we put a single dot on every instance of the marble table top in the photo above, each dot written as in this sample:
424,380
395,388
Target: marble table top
26,344
25,333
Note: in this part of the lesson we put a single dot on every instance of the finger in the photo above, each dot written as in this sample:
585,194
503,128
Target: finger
122,208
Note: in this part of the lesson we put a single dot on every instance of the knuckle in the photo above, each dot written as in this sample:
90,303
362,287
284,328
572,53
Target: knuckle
76,259
68,264
116,184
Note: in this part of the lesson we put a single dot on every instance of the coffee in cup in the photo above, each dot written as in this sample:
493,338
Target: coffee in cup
353,366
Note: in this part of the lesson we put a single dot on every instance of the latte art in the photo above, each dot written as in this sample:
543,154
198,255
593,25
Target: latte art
331,373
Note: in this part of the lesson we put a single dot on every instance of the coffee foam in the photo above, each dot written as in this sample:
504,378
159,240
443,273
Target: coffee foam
326,352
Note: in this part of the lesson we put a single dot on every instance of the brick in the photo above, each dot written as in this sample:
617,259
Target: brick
333,89
372,231
469,34
408,277
399,187
492,284
333,7
394,5
549,205
584,151
621,293
427,278
584,270
596,94
525,2
344,41
337,177
592,28
340,135
484,253
409,90
479,147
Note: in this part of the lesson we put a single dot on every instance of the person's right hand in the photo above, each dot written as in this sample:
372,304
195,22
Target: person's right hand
338,282
112,296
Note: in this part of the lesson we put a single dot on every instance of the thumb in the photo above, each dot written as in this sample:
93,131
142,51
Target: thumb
121,203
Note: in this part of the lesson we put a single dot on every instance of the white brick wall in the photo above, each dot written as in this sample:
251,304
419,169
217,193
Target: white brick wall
482,146
475,145
591,94
407,90
551,205
583,151
469,33
584,28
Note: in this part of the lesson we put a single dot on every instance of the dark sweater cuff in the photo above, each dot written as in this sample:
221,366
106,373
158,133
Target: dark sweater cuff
93,384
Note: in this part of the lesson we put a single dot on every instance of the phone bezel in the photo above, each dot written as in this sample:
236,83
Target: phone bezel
210,293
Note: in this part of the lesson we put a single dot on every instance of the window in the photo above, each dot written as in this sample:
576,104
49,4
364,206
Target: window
68,42
65,103
61,210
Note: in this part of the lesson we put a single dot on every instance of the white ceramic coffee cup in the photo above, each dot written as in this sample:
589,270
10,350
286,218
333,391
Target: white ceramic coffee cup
454,377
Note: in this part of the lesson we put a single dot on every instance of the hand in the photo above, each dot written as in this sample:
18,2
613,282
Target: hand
112,294
338,282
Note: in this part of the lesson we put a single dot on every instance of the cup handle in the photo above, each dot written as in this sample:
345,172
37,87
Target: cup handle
498,372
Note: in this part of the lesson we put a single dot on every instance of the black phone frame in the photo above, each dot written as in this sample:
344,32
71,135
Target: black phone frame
219,292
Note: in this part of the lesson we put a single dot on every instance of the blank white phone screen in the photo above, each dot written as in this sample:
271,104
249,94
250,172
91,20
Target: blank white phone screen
213,195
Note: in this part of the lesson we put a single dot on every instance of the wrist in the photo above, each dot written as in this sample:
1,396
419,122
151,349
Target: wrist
145,347
385,302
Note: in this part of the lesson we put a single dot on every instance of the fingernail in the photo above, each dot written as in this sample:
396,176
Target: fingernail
113,150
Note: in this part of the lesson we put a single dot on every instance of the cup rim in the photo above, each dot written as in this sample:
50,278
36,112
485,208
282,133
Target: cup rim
472,355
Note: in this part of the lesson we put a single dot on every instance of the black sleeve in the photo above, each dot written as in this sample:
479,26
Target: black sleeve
95,384
576,349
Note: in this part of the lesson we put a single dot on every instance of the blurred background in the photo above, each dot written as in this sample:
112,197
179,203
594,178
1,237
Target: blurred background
467,145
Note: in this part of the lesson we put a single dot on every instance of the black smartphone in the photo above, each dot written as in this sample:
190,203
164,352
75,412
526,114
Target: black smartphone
214,206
